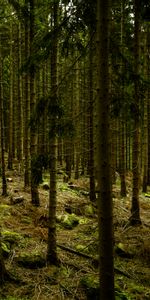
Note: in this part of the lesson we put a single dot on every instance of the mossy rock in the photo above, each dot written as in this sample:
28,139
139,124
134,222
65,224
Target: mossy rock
68,221
31,261
91,287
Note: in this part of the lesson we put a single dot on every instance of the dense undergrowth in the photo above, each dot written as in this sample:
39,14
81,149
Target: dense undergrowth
24,242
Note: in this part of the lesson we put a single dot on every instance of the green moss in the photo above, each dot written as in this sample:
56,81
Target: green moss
4,210
89,210
119,295
83,220
137,289
5,249
80,248
64,187
13,298
11,236
91,286
68,221
32,260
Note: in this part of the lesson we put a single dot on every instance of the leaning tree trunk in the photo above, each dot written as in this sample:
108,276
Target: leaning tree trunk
105,210
52,248
135,209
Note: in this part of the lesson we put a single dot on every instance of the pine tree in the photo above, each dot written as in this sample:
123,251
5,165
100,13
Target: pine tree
105,212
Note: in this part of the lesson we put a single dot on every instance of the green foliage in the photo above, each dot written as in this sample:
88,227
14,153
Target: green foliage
21,10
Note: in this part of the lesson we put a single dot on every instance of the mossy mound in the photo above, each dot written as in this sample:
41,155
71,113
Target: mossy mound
91,287
68,221
11,237
31,261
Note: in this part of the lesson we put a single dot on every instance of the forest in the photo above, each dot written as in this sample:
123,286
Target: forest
74,150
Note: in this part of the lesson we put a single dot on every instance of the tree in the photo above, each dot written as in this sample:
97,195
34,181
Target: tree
33,135
4,182
91,119
135,209
26,106
105,212
52,248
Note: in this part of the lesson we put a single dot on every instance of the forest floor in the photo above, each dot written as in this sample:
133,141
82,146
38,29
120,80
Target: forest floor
24,241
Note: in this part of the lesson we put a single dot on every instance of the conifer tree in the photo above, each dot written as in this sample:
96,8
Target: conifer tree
105,211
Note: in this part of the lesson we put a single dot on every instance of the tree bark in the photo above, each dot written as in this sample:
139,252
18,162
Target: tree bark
105,210
135,209
33,135
4,183
52,247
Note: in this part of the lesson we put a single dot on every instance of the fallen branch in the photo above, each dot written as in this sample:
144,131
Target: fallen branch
95,261
75,252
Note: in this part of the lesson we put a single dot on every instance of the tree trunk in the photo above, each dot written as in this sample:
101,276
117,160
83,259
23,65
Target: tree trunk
52,248
135,209
26,110
105,210
4,183
33,135
10,145
19,106
145,120
91,113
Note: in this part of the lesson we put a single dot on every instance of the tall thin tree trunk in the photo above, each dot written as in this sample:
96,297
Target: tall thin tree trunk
33,135
105,210
91,116
26,110
145,120
122,121
52,248
4,182
10,145
135,209
20,107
